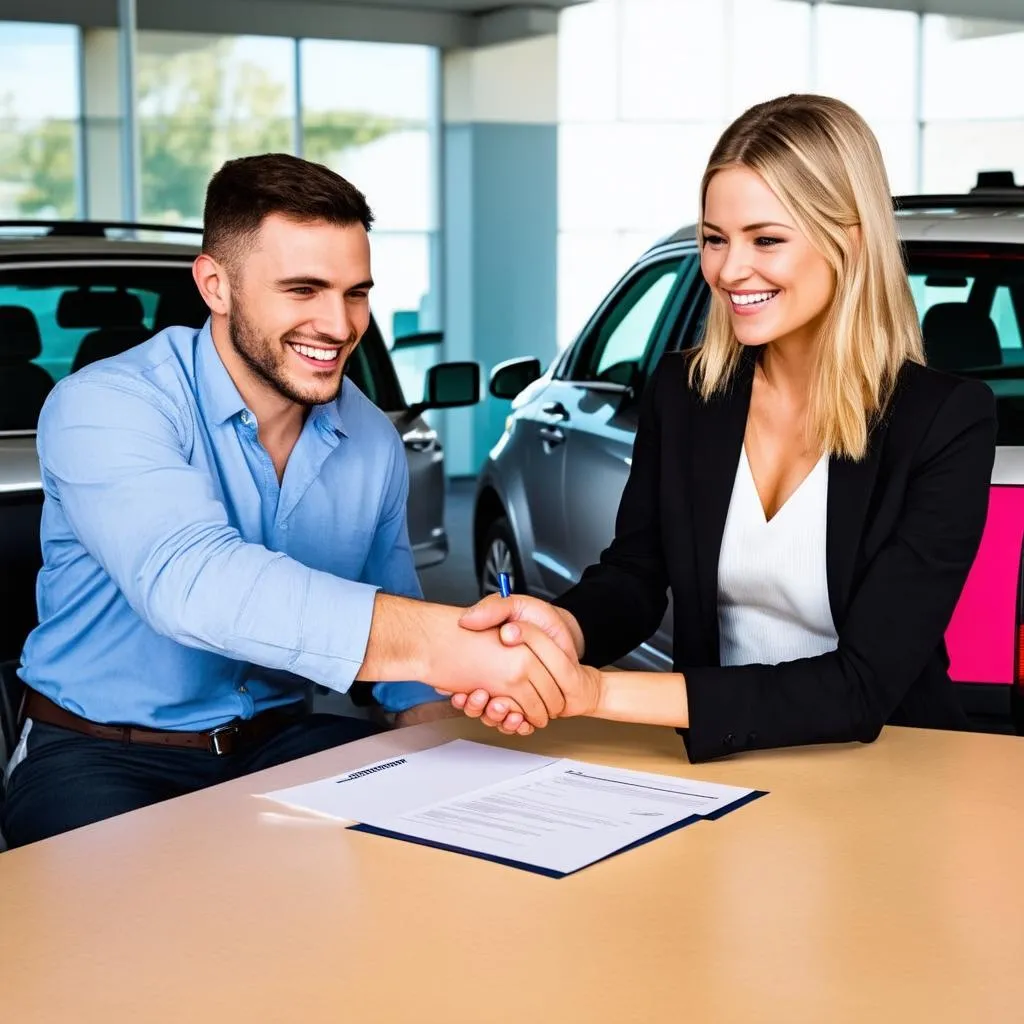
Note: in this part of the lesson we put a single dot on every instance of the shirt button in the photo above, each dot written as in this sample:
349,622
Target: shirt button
729,739
242,689
247,418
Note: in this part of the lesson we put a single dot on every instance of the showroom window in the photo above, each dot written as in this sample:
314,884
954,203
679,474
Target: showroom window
973,104
370,111
203,100
39,120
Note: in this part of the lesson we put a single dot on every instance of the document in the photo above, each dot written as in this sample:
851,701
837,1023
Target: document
553,816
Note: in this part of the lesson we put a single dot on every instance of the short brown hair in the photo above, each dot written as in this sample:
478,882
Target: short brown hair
247,190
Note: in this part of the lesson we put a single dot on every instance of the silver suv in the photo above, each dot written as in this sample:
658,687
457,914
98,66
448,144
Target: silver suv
548,492
71,293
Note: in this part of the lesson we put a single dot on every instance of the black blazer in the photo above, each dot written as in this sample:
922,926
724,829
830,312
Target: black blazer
904,525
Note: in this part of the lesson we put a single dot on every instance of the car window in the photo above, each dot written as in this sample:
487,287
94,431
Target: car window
371,368
615,349
86,313
971,308
56,319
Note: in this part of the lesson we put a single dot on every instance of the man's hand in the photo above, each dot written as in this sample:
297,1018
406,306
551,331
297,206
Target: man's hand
429,711
510,613
559,624
417,640
581,685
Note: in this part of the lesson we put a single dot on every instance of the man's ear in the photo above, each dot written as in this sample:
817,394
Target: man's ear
212,281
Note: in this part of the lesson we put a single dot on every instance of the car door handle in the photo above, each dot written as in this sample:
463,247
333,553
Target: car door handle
551,436
555,409
419,440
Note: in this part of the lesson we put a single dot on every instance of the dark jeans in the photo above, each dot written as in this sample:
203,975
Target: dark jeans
68,779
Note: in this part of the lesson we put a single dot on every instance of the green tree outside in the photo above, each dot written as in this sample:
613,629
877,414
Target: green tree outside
197,108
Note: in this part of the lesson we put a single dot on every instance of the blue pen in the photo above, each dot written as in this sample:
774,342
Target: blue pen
503,584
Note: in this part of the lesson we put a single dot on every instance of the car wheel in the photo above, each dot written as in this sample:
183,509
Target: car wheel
500,554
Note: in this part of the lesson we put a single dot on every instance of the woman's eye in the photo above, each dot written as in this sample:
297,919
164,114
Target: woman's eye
714,240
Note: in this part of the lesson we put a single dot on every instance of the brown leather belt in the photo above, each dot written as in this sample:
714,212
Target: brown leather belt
224,739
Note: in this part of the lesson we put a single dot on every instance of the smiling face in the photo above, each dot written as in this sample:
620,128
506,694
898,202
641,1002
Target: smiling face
775,284
299,305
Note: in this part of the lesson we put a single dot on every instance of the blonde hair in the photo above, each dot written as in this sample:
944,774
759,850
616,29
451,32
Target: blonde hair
824,164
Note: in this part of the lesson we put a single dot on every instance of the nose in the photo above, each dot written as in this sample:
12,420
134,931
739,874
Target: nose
735,267
332,319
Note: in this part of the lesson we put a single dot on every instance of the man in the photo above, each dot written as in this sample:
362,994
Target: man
224,521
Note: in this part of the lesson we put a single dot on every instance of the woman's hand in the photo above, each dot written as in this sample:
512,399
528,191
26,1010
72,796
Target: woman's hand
580,684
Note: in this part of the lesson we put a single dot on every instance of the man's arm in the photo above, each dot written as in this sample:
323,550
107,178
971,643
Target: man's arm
113,454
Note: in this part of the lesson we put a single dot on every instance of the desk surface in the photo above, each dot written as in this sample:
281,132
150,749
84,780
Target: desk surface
881,882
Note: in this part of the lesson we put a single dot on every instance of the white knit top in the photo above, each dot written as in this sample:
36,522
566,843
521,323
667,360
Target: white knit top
772,585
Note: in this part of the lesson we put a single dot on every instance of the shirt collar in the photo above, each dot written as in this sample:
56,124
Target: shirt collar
330,414
217,390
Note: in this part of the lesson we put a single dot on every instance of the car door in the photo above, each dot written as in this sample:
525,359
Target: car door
599,402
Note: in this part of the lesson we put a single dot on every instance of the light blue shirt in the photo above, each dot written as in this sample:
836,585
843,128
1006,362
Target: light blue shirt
182,586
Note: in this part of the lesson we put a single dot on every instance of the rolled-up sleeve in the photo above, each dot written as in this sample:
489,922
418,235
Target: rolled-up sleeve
107,444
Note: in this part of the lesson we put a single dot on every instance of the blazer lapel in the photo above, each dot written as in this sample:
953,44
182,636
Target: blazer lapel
716,439
850,487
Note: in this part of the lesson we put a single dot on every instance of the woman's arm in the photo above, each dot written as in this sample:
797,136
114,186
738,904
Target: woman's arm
897,615
652,698
896,620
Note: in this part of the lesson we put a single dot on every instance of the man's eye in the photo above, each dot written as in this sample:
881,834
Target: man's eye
302,290
358,295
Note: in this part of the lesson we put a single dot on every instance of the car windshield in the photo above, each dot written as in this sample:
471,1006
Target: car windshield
58,318
971,305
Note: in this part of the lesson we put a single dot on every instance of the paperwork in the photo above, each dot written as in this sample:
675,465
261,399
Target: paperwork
549,815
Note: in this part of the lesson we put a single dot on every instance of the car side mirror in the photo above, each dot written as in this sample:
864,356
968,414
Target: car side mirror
418,340
511,377
448,386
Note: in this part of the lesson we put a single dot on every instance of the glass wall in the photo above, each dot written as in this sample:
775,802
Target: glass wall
647,86
369,111
973,101
203,100
40,104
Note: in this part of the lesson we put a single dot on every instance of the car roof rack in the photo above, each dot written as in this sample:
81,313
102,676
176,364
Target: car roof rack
992,188
95,228
981,199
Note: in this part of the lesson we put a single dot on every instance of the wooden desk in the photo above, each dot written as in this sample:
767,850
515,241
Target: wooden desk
877,883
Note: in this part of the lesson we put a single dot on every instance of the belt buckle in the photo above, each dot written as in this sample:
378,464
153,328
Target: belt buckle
215,738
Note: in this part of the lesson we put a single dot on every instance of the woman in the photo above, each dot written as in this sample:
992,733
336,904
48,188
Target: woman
812,493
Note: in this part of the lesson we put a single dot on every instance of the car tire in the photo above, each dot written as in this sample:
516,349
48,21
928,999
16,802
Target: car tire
500,554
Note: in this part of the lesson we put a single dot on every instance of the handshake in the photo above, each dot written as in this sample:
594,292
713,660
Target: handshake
515,665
